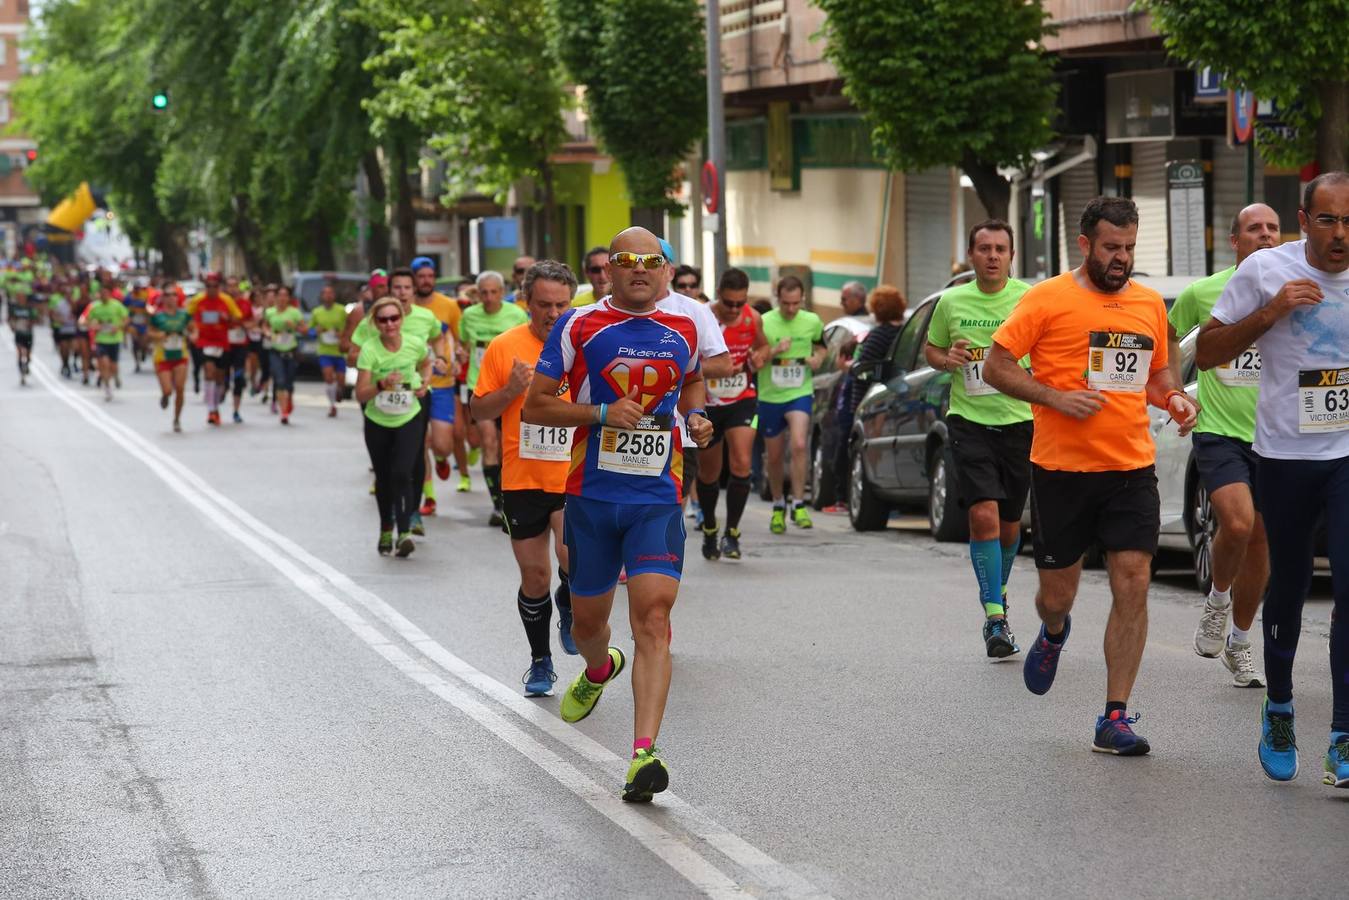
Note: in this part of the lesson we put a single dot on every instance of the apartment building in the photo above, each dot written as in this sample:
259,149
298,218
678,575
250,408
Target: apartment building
20,205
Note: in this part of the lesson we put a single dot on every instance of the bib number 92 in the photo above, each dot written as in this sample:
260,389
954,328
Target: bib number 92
1119,361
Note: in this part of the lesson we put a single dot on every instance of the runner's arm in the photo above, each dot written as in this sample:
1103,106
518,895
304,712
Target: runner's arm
1002,371
544,407
719,366
817,355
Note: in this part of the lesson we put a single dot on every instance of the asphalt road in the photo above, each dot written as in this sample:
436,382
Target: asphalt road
212,686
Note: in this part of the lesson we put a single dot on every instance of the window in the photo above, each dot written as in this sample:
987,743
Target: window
4,110
4,50
912,338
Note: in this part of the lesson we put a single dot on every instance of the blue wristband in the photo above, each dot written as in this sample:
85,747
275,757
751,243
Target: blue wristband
699,411
604,412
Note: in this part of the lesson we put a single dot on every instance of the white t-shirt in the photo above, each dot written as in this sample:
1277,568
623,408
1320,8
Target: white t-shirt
1311,337
710,340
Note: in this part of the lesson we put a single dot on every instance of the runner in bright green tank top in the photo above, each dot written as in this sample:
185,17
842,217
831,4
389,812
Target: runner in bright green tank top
329,319
786,391
1222,453
477,326
108,319
988,433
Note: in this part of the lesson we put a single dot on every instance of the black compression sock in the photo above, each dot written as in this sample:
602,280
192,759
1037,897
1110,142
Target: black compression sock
737,494
537,615
492,475
707,501
1112,705
562,596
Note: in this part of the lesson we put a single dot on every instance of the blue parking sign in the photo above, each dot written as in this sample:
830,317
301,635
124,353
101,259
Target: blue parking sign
1208,85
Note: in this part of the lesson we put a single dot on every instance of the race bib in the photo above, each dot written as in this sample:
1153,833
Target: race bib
1119,361
237,336
210,317
788,374
545,443
394,403
479,351
644,450
213,352
973,372
173,343
139,319
1323,401
328,337
730,386
1244,371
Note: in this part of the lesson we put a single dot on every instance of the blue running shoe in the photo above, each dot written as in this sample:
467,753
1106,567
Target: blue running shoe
1278,747
540,677
1042,662
1113,735
564,630
1337,760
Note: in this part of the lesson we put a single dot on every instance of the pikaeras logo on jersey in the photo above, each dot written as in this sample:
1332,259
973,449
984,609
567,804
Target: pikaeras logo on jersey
654,378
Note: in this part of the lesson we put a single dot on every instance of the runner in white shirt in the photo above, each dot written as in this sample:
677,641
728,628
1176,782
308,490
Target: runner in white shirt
1293,303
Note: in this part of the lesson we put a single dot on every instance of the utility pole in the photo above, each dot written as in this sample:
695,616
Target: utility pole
715,201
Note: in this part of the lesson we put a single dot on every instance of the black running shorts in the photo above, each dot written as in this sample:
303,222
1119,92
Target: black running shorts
992,463
1071,511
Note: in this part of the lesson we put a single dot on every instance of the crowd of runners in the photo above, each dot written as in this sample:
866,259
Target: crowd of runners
600,410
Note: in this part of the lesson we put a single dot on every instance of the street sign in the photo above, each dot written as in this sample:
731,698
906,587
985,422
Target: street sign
500,233
1242,105
711,187
1185,215
1208,86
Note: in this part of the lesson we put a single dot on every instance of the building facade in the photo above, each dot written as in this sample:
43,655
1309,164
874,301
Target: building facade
20,206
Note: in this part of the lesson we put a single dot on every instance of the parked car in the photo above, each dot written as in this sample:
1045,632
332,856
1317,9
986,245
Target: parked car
307,286
840,336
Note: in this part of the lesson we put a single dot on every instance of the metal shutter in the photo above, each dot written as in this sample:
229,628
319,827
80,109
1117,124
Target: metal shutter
1229,196
1149,193
1076,186
927,229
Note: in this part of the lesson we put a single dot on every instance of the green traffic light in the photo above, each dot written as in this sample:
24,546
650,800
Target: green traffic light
161,100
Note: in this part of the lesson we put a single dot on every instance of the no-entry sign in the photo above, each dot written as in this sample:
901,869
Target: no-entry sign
711,187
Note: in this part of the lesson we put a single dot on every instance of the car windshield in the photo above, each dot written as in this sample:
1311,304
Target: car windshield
308,288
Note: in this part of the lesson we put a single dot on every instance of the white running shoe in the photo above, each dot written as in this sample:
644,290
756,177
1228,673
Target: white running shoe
1240,662
1209,637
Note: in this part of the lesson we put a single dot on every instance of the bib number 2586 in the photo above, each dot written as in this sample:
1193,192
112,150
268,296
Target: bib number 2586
635,451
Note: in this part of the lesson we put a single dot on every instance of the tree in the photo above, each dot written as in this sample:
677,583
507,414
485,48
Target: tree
948,83
1293,53
647,99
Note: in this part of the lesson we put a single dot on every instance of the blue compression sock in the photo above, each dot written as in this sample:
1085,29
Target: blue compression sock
987,559
1008,558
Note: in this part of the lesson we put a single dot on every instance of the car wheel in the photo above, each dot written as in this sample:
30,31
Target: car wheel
821,479
945,518
866,511
1203,527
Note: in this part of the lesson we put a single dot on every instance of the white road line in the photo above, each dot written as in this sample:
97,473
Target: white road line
700,872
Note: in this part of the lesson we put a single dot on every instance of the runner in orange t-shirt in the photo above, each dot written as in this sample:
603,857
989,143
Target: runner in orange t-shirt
1097,344
535,460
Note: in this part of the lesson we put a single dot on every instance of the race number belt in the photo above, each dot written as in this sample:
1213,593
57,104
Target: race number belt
173,343
1244,371
328,337
1323,401
730,386
394,403
788,373
644,450
973,371
1119,361
544,442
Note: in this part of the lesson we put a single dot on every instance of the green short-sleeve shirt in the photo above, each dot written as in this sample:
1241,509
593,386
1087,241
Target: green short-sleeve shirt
286,326
418,323
1226,409
329,323
788,375
380,362
106,313
965,312
477,327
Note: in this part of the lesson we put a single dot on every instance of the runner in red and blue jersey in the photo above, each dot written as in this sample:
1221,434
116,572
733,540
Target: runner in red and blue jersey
631,366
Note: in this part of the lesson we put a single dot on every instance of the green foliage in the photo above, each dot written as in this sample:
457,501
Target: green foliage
1278,50
479,76
647,98
943,82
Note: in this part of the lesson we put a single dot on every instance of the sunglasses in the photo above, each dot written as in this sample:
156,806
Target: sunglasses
733,304
647,261
519,270
594,270
387,320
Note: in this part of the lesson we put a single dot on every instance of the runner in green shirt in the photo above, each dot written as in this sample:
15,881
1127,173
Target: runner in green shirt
479,324
107,317
284,324
392,372
787,395
989,433
168,331
1226,462
330,321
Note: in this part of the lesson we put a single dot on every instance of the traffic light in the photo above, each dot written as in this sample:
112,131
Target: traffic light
160,101
32,156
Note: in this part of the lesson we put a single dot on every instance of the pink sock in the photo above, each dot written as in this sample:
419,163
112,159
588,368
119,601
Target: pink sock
641,744
600,675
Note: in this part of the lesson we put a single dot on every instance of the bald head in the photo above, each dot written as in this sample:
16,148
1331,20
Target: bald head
635,240
637,288
1254,228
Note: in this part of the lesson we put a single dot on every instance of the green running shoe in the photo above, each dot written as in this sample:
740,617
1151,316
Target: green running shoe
474,454
385,543
778,523
465,484
581,697
801,517
647,776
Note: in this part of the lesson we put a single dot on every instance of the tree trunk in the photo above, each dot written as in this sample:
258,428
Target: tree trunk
1332,132
321,239
377,214
249,238
995,192
405,217
552,245
173,255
